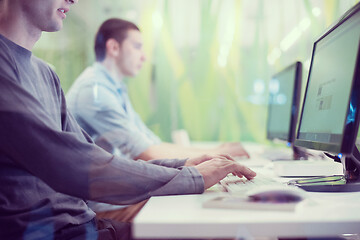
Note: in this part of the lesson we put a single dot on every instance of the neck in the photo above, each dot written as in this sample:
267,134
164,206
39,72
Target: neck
16,29
113,69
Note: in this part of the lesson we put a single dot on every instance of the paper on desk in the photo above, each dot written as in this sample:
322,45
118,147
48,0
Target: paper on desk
245,203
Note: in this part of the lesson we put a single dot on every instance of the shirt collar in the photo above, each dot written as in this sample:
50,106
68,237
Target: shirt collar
118,84
17,48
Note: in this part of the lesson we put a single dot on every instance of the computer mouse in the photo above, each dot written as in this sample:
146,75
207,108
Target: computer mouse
277,194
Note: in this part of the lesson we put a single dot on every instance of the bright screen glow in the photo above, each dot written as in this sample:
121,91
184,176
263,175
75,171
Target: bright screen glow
329,85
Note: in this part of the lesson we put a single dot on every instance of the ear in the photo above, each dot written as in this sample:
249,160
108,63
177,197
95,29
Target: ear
112,47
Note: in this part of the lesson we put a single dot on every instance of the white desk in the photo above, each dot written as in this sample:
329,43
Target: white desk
322,214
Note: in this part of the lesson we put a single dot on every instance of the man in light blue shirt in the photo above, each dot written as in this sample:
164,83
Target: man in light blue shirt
102,107
100,102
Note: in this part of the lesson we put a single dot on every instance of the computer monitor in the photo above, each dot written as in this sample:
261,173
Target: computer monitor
283,107
329,119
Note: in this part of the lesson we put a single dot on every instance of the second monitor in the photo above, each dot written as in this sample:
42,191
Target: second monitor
283,108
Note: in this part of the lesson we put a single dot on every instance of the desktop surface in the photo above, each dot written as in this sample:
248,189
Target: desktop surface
185,217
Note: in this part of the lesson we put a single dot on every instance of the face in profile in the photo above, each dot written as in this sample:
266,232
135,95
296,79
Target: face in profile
45,15
131,57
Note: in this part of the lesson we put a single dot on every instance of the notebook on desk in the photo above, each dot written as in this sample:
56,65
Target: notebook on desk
295,168
307,168
260,193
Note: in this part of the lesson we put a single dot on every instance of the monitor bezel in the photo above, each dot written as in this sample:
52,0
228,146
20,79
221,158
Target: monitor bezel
347,143
295,105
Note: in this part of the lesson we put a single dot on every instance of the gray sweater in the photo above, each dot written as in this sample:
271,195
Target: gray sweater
48,164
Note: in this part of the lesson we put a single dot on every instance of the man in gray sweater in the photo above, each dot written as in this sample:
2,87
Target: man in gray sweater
48,165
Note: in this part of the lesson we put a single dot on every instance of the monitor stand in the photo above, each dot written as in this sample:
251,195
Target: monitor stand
348,182
299,153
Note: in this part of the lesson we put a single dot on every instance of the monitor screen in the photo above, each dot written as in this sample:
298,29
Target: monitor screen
328,112
329,119
285,90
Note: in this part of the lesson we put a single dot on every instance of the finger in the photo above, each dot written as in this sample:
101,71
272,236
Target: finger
228,156
244,171
207,157
245,154
238,175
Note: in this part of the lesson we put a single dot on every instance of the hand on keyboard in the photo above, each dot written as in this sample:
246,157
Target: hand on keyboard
203,158
234,149
235,185
218,167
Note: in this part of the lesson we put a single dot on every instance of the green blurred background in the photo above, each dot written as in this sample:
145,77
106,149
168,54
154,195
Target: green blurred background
208,61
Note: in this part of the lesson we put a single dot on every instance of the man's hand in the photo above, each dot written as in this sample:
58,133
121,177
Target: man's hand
233,149
216,169
203,158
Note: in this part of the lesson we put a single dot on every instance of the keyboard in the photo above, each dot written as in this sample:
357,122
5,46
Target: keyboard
240,186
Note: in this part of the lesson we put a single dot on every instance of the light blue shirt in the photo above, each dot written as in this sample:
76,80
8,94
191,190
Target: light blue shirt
102,107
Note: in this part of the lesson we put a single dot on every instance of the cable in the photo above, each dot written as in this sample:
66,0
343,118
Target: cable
334,157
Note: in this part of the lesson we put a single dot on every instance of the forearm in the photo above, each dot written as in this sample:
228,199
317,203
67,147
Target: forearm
88,172
124,181
173,163
169,150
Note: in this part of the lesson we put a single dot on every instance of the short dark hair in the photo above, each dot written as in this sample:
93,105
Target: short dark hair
115,28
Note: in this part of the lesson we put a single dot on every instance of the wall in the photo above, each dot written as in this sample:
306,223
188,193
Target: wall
208,61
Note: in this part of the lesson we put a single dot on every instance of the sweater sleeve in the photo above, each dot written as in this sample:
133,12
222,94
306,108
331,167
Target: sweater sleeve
69,164
173,163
